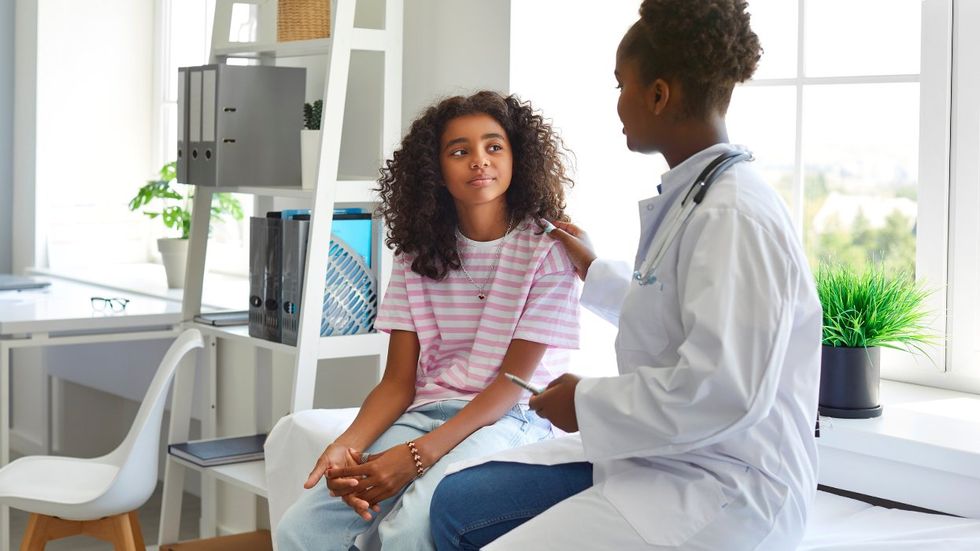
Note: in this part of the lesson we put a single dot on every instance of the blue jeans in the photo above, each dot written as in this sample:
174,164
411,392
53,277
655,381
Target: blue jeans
473,507
318,522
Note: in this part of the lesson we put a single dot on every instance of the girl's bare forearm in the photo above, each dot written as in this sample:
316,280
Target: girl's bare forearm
391,397
486,408
385,403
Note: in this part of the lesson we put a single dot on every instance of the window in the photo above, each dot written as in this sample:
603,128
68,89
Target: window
856,117
855,135
185,27
106,126
841,138
93,128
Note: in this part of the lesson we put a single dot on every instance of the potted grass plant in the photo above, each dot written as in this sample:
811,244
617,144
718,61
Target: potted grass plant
172,205
864,311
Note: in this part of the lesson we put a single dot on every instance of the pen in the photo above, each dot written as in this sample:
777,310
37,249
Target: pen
524,384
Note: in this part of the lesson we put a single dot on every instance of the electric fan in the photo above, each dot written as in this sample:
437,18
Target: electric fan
350,294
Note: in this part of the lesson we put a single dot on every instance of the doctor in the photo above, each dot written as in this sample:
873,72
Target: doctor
704,441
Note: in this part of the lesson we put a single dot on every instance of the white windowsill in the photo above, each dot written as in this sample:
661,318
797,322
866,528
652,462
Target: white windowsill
924,450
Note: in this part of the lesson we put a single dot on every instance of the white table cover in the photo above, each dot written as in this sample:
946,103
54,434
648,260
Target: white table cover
836,523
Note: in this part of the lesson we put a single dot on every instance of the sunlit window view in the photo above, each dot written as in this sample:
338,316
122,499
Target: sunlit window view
840,131
188,43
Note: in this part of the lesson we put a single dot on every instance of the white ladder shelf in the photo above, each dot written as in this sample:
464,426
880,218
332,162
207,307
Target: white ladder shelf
330,190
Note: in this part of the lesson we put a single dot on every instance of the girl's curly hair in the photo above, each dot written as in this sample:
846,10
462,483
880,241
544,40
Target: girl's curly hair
419,211
707,45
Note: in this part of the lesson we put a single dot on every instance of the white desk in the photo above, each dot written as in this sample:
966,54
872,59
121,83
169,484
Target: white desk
61,314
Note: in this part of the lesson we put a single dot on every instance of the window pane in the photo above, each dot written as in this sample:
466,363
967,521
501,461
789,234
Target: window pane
244,23
861,173
770,137
169,132
862,37
188,45
775,21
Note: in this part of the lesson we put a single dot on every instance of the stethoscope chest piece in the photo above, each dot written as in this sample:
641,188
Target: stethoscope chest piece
648,279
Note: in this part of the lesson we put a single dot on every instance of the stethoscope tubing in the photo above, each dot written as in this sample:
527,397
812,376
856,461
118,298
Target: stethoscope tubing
681,211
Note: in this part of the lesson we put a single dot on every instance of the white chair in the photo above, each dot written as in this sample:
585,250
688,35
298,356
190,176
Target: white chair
97,497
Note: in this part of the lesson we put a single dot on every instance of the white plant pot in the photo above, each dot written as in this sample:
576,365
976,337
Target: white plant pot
309,145
174,254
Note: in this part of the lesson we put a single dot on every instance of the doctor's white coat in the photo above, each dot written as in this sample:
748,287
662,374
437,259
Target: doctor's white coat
705,439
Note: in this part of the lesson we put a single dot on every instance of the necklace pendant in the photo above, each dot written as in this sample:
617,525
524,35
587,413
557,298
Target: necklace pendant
481,296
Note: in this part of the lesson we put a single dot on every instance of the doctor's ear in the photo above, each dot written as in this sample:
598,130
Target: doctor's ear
657,96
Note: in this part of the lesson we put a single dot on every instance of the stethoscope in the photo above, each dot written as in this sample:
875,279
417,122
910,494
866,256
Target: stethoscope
680,212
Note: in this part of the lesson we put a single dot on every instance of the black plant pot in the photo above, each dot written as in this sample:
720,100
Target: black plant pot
849,382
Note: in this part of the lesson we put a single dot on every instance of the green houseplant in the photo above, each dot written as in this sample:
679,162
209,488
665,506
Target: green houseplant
309,142
169,201
863,311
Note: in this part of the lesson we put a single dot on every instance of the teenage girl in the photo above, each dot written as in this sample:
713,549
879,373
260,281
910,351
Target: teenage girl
477,290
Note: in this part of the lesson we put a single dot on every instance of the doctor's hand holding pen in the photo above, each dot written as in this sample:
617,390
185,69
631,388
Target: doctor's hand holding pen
576,243
557,402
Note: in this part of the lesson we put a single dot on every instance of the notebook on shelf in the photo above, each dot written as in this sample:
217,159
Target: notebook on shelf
223,319
220,451
9,282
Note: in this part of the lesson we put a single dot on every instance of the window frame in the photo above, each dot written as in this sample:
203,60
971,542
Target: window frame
933,193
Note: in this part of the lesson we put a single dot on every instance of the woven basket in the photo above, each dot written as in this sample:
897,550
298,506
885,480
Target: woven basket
303,20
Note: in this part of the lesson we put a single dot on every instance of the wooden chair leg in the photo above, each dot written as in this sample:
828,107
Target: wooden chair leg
43,528
123,531
117,530
34,537
134,521
127,533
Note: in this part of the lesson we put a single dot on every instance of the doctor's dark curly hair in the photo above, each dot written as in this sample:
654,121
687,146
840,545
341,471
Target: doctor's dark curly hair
419,211
706,45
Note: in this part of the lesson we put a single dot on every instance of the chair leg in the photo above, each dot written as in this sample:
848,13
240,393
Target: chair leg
127,532
117,530
122,530
134,521
43,528
34,539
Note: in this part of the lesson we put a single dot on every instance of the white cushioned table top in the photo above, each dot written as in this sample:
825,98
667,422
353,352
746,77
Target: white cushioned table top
836,523
843,524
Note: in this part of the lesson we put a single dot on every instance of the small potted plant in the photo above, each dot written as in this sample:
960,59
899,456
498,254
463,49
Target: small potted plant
310,142
174,211
862,312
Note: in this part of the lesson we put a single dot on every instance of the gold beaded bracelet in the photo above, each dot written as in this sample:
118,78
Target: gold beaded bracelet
420,470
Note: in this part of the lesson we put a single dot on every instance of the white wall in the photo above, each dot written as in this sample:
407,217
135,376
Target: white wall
453,48
566,70
6,132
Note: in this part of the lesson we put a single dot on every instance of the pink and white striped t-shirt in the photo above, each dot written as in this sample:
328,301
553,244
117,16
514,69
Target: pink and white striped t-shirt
533,296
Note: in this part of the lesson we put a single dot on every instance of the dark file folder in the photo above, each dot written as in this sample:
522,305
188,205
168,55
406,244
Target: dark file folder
295,235
265,277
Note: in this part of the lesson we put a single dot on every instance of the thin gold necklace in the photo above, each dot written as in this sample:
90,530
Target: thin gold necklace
482,289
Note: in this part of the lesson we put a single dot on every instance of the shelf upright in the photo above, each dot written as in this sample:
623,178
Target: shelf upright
329,191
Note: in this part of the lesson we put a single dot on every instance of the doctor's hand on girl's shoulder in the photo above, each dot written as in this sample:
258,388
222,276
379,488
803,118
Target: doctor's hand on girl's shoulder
557,402
577,245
